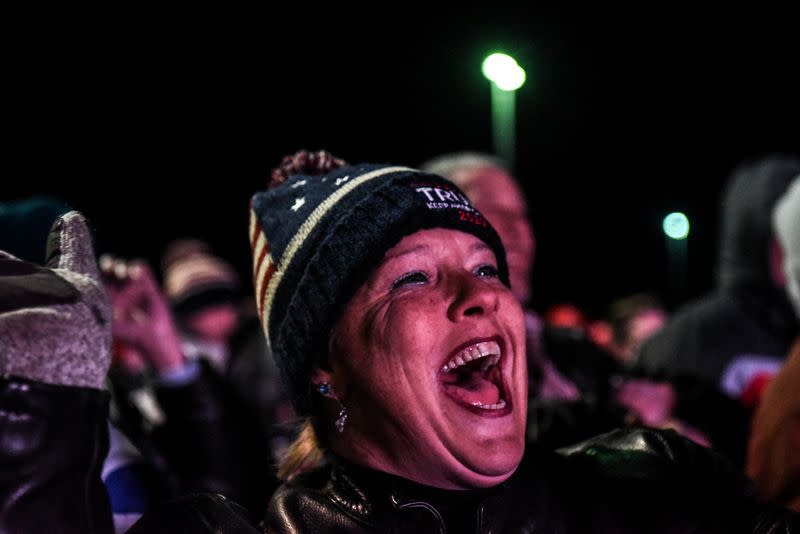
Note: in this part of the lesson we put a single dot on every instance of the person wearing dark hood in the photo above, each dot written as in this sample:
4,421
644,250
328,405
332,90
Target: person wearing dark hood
772,461
727,336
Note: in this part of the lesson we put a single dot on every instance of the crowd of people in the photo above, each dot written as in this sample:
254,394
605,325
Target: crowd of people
385,371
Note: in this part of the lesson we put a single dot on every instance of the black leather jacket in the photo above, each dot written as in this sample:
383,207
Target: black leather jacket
626,481
556,423
53,438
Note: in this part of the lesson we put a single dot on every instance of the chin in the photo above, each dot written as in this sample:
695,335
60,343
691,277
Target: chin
493,469
503,464
489,479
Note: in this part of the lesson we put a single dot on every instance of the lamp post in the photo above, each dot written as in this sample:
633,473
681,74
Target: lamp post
676,229
505,77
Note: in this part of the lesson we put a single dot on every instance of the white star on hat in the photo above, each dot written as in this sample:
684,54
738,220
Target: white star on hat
298,202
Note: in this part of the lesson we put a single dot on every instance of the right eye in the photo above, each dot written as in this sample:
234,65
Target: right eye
413,278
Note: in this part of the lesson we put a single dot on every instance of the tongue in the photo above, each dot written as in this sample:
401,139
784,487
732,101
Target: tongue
474,389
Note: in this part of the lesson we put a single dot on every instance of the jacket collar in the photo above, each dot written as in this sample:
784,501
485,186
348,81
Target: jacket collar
382,500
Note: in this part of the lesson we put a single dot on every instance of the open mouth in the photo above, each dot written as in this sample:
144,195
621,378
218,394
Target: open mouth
472,377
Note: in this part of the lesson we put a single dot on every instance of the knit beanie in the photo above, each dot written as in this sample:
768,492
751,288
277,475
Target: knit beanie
786,222
55,319
316,240
195,278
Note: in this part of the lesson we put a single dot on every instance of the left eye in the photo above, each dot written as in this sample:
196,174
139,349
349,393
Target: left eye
487,271
412,278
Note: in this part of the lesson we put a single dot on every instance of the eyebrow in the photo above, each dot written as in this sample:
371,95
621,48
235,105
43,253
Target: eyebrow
408,251
479,247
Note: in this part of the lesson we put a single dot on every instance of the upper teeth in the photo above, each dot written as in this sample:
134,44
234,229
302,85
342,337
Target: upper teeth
490,350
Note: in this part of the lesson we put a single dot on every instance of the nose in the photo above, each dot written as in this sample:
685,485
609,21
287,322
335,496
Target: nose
472,297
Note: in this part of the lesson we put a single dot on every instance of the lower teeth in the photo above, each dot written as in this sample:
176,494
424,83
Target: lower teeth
496,406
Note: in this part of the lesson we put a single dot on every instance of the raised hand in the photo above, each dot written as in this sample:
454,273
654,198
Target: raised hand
142,318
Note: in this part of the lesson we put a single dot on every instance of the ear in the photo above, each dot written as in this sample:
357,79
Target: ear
337,381
320,375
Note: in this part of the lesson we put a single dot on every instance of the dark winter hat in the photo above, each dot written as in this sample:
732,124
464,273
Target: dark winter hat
316,239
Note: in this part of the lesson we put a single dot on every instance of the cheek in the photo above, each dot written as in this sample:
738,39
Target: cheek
408,324
419,334
215,321
513,320
396,347
512,316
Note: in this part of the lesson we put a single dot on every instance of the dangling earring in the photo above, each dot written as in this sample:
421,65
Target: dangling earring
326,390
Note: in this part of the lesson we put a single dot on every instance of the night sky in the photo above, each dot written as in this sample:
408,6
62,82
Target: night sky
160,122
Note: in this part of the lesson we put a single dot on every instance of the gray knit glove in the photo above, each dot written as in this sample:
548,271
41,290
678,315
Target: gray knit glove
55,321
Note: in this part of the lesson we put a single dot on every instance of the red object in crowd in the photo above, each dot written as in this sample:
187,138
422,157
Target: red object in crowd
566,316
751,395
600,332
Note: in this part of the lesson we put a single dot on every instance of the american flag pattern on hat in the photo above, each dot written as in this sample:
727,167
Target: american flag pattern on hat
302,207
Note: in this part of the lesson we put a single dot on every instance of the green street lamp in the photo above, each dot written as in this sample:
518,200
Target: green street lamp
676,229
506,76
676,225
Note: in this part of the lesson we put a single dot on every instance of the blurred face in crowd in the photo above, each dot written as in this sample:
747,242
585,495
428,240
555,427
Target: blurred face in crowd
215,323
429,358
641,327
497,196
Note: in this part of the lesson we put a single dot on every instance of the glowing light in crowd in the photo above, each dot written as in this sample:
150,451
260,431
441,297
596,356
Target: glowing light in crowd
504,71
676,225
